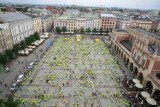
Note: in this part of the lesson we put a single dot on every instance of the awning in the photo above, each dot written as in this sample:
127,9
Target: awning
140,86
136,81
145,94
151,101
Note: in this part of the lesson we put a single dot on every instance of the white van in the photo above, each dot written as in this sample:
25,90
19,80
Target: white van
31,65
20,78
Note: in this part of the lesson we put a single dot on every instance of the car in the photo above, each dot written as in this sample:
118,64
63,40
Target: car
31,65
7,68
20,78
14,87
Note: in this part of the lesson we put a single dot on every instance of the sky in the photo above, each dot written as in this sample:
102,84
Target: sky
138,4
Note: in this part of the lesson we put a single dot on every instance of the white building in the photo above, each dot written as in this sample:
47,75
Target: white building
6,41
89,23
97,23
20,25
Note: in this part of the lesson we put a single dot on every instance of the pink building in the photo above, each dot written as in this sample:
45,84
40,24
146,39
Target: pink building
140,51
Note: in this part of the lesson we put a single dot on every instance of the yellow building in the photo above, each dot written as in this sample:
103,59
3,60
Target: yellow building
141,22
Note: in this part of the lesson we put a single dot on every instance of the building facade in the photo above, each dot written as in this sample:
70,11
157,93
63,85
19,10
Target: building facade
6,41
80,22
141,22
47,23
122,22
97,23
37,24
140,52
108,21
20,25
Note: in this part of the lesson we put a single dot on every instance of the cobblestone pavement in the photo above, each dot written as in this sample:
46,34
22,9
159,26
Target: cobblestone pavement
72,74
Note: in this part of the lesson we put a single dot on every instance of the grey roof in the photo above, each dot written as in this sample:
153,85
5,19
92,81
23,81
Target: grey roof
127,44
153,48
141,18
46,17
10,17
147,33
32,16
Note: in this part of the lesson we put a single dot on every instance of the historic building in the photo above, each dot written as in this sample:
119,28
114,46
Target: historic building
141,22
140,50
6,41
78,22
37,23
20,25
47,23
122,22
108,21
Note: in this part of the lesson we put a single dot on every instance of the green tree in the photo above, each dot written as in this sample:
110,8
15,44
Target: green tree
28,40
58,30
36,35
10,102
9,53
94,30
23,45
88,30
107,31
16,48
64,29
1,68
82,30
4,58
101,30
33,38
75,30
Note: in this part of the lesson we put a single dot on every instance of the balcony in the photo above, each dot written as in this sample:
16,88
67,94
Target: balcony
155,80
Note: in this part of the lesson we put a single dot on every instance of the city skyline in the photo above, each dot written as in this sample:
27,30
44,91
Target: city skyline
137,4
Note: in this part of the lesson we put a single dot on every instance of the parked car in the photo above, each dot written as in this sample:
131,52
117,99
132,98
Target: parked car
31,65
20,78
14,87
7,68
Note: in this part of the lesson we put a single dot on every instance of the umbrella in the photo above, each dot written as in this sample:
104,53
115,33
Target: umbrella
151,101
145,94
136,81
139,86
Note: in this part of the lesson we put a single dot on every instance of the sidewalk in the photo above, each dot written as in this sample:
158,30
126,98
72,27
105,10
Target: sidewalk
16,68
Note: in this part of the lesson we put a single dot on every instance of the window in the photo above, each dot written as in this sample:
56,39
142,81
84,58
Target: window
143,62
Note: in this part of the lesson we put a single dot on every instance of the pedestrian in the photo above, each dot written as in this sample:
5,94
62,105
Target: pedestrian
5,85
1,82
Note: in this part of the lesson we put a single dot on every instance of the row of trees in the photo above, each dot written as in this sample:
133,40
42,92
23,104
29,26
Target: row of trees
10,54
10,102
82,30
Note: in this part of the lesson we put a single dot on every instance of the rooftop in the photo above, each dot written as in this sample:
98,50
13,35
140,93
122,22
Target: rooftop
32,16
154,48
46,17
127,44
108,15
10,17
148,33
141,18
